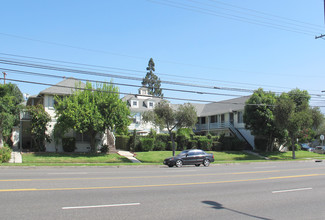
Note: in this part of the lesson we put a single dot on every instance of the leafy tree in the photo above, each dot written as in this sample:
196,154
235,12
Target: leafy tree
10,99
164,116
259,116
152,81
92,112
39,120
294,114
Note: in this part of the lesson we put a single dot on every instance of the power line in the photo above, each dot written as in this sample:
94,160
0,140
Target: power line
229,16
282,20
139,71
25,64
119,84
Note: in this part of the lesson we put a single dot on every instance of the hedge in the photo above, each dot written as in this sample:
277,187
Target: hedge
121,142
147,144
5,154
69,144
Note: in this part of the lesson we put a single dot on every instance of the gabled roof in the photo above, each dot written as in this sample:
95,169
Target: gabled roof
221,107
65,87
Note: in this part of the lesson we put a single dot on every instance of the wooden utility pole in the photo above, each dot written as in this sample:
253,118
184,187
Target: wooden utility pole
4,77
320,36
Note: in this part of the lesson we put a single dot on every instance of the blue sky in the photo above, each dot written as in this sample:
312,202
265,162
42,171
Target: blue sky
240,44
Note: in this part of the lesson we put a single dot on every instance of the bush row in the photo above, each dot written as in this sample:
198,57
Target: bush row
5,154
161,142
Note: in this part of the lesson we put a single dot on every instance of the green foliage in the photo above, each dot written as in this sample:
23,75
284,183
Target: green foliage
160,146
121,142
39,120
182,142
163,116
162,138
192,144
69,144
133,141
187,132
104,149
10,99
151,81
216,146
260,143
259,117
205,143
147,144
170,145
232,143
93,111
5,154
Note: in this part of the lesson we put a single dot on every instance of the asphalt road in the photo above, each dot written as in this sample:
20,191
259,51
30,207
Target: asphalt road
292,190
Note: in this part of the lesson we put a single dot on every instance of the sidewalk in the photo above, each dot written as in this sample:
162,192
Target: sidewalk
16,157
128,155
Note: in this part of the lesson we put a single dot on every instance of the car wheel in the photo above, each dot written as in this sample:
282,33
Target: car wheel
197,165
179,163
170,165
206,162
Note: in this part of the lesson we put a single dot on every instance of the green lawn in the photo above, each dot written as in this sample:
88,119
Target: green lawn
72,158
147,158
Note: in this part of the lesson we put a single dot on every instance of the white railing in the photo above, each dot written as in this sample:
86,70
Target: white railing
24,115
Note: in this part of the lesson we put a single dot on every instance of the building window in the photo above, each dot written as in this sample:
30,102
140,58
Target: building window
151,104
50,102
240,118
222,118
213,119
203,120
134,103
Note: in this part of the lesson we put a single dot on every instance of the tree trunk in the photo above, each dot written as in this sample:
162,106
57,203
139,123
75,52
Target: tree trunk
93,142
173,142
293,148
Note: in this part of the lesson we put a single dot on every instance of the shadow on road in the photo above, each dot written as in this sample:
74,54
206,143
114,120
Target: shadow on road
216,205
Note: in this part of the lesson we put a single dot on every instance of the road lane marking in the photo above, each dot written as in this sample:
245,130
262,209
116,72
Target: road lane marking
264,167
291,190
163,176
159,185
100,206
75,173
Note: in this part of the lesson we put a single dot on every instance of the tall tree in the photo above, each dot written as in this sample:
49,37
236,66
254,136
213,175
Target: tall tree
92,112
39,120
164,116
151,81
259,116
10,100
294,114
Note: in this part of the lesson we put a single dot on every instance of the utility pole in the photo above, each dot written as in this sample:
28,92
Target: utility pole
322,35
4,77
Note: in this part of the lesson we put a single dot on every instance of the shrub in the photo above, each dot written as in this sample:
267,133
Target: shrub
182,142
260,143
232,143
162,137
5,154
204,143
159,146
104,149
133,142
121,142
192,144
170,145
69,144
147,144
216,146
297,147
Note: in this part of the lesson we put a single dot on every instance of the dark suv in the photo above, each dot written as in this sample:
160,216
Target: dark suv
190,157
